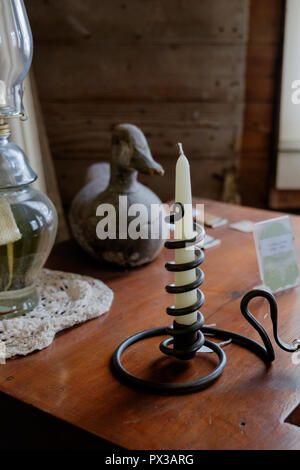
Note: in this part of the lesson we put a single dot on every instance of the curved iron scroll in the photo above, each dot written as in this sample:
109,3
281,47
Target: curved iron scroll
295,346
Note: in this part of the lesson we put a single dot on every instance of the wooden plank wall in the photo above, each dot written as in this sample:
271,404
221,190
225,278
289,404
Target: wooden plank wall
263,73
173,67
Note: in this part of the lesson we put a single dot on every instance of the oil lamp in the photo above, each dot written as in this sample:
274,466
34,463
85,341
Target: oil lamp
28,219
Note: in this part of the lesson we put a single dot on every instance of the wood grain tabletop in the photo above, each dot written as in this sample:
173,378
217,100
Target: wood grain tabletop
246,408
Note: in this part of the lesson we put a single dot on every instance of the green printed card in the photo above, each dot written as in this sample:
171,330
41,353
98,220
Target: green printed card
276,254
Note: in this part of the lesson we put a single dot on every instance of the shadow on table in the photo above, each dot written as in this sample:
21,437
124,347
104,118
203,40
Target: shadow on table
23,427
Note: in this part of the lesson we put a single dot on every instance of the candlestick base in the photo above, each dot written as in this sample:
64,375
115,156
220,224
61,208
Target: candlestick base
182,387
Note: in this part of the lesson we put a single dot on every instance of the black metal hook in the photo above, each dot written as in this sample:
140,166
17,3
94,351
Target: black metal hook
274,318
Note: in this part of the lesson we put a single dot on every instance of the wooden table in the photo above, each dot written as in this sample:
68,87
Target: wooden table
245,408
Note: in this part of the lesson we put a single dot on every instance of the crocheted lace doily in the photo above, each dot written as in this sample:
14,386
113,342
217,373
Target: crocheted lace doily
66,300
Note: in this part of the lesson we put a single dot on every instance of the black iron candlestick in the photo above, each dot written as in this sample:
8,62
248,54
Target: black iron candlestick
186,341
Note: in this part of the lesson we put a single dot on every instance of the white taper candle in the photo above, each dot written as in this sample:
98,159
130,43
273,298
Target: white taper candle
184,231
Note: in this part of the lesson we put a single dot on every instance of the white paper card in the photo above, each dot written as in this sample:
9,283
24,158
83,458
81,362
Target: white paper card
276,254
243,226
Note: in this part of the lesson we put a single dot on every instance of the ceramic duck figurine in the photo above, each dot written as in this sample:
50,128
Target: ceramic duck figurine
130,155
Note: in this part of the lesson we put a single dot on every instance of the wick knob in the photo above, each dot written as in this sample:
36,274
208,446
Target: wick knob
180,148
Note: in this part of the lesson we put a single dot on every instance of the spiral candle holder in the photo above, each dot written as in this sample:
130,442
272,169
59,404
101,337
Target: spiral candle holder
187,340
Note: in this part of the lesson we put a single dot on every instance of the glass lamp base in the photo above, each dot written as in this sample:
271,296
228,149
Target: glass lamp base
16,303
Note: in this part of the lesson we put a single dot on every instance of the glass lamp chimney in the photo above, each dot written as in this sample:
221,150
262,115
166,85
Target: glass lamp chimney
16,50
